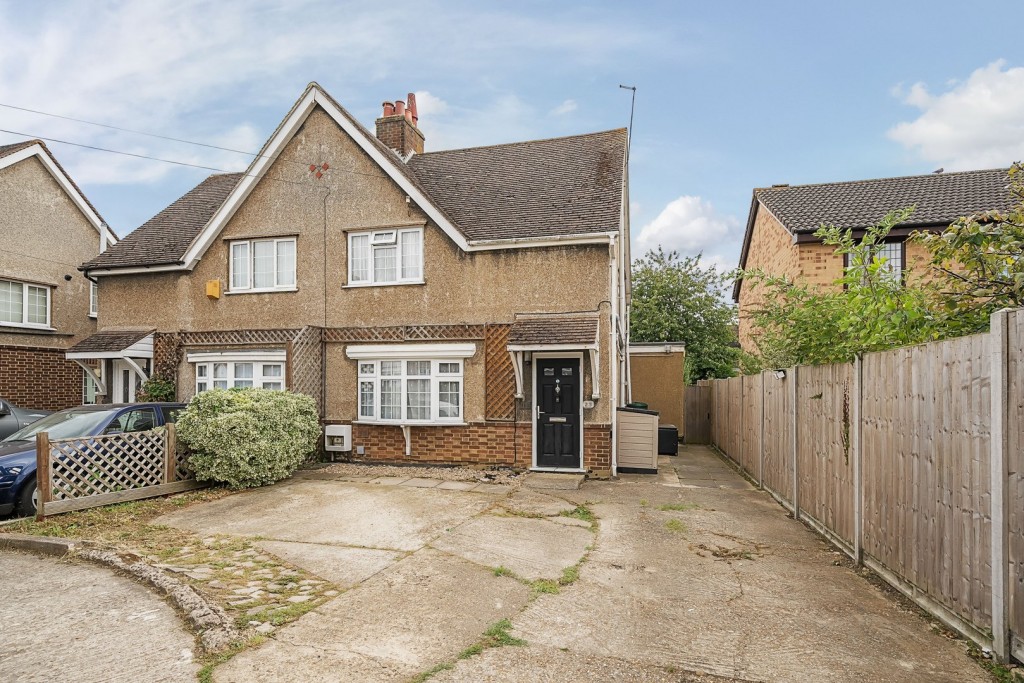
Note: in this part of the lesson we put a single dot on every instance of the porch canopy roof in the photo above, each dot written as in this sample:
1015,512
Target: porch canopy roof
557,332
536,333
114,344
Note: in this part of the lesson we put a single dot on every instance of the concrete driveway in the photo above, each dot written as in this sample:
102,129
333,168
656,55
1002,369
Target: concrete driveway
690,575
76,621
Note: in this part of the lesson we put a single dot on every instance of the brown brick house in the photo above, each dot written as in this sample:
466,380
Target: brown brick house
783,219
47,228
457,306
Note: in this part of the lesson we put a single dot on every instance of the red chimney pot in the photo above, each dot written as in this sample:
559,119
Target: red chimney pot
389,109
399,108
412,107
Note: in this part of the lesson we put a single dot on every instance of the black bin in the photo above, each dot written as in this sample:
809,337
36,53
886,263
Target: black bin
668,440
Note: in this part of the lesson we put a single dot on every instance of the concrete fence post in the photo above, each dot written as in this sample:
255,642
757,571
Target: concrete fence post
999,485
794,375
856,445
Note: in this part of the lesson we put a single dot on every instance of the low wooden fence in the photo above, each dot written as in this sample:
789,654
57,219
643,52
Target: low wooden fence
86,472
911,460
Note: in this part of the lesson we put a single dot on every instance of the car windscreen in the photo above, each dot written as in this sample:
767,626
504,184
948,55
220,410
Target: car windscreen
65,424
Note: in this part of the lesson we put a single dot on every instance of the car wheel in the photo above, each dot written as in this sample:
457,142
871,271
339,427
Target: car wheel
28,498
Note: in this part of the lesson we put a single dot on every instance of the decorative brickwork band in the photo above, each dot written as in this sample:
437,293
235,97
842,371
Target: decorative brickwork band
499,376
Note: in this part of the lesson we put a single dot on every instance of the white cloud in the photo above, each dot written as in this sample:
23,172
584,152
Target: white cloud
564,108
689,225
977,123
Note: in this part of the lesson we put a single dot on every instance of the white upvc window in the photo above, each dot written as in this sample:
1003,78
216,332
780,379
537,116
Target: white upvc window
262,265
385,257
94,299
228,374
24,305
410,391
89,389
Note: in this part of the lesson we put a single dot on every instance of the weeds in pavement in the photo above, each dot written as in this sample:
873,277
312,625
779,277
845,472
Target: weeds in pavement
677,507
675,525
503,571
579,512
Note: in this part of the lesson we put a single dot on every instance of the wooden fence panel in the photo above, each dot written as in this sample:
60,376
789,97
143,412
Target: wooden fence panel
697,413
824,467
1014,427
926,413
778,461
750,451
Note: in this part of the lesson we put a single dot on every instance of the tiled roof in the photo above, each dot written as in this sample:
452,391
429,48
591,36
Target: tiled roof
17,146
164,238
106,342
542,188
553,330
939,198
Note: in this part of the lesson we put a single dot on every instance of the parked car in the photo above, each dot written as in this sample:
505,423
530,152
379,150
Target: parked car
13,418
18,451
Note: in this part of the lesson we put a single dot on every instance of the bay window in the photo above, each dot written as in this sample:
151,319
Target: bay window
410,391
24,305
385,257
262,265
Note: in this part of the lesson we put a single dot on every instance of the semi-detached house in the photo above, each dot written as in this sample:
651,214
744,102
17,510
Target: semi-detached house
466,305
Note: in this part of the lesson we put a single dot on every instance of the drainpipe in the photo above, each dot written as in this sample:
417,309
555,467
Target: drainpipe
613,350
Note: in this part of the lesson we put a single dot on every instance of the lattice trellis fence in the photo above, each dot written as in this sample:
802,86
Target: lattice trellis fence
305,364
80,473
499,376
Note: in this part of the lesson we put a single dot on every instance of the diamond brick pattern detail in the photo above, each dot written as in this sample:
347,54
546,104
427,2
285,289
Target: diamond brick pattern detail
499,376
240,337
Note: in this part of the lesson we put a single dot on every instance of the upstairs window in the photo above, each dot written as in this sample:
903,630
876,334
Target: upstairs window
385,257
262,265
94,299
890,254
24,305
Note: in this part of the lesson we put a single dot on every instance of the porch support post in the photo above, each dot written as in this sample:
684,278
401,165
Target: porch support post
135,366
97,377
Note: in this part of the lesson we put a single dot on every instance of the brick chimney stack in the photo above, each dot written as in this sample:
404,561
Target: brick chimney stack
397,127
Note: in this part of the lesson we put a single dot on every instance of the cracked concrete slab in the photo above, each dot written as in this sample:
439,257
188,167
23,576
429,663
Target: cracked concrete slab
424,610
531,548
345,567
78,621
330,512
536,503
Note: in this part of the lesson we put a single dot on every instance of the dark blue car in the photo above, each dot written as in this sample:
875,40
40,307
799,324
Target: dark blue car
18,451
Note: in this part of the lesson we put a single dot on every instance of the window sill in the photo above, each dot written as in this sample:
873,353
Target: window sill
383,284
384,423
27,329
261,291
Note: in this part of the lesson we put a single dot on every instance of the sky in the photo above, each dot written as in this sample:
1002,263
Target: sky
730,95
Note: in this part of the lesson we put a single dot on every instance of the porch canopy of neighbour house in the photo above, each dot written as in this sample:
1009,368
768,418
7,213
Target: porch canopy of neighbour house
554,332
129,346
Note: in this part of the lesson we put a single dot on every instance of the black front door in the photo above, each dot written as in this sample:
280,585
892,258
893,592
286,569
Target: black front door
558,412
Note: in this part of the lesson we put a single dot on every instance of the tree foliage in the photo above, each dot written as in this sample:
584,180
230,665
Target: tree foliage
869,309
677,299
979,259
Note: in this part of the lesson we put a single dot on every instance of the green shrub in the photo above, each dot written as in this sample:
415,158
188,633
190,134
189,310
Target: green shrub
249,437
158,389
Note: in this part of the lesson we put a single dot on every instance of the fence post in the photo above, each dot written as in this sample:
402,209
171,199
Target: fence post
856,446
999,485
170,451
760,454
793,374
43,483
741,451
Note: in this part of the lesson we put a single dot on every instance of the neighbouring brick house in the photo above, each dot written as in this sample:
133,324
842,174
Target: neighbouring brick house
456,306
47,229
783,219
